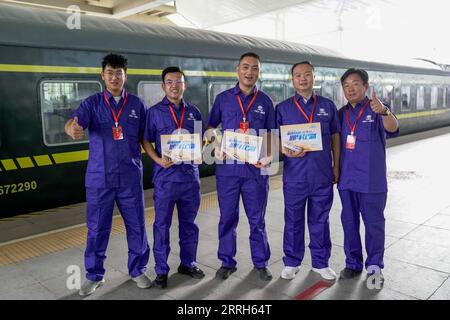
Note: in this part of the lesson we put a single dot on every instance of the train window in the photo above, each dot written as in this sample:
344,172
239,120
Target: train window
388,95
405,99
151,92
420,100
275,90
58,100
444,97
217,87
318,89
327,90
427,96
434,97
290,89
339,97
448,96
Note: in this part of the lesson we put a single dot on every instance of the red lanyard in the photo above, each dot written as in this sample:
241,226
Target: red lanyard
309,119
116,117
175,118
244,113
353,128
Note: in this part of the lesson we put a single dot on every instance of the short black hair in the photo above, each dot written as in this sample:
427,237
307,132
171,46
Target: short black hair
249,54
116,61
360,72
300,63
171,69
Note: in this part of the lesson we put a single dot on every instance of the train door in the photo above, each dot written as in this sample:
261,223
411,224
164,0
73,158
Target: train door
277,91
150,92
1,127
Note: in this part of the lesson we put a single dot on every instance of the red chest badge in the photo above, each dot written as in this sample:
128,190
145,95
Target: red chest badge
244,126
351,142
117,133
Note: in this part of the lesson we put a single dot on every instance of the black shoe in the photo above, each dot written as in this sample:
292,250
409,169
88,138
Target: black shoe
225,272
264,274
194,272
348,273
161,281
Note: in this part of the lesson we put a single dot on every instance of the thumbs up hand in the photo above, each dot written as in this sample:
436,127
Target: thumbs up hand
376,105
75,130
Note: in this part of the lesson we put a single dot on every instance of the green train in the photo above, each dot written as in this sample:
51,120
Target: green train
46,70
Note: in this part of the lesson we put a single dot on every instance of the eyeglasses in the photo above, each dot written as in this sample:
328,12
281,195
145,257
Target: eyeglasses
117,74
171,82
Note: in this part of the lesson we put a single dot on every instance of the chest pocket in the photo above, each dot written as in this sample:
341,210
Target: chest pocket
366,131
164,127
257,120
132,127
231,119
100,119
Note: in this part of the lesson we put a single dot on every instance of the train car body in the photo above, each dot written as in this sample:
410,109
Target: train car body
46,70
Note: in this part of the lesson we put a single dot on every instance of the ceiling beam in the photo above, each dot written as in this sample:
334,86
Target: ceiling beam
129,8
63,5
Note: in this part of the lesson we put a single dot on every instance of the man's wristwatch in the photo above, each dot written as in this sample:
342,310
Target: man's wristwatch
386,112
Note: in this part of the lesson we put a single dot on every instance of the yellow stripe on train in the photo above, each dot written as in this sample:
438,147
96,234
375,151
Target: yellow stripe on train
94,70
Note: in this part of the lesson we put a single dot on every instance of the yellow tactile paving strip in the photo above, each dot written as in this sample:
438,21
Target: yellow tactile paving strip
39,245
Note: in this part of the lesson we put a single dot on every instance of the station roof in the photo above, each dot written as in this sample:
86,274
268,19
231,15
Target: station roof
29,26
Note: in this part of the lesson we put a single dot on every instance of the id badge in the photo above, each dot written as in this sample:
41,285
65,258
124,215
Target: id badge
117,133
244,126
351,142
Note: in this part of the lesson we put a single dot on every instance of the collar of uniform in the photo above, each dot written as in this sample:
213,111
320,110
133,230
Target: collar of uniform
361,103
166,102
237,89
109,95
358,104
299,97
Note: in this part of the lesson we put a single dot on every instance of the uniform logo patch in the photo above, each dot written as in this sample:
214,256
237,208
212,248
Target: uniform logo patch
368,118
133,114
260,110
191,116
322,112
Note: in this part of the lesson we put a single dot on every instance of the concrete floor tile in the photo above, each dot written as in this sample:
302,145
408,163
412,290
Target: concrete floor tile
399,229
443,293
411,280
358,290
421,253
52,265
439,221
445,210
431,235
32,292
12,278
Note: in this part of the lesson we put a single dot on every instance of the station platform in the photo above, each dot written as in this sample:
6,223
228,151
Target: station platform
37,249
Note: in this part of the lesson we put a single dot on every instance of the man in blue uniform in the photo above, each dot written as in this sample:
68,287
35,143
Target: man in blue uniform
115,120
363,185
174,184
308,176
243,107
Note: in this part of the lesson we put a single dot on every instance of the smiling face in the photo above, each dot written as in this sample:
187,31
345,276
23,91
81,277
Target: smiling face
303,79
174,86
354,88
248,72
114,79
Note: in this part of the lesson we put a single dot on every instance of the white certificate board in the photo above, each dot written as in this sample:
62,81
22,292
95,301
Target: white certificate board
182,147
306,135
242,147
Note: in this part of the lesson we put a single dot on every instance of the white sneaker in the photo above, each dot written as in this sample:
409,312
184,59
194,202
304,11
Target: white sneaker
89,287
289,273
326,273
143,281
